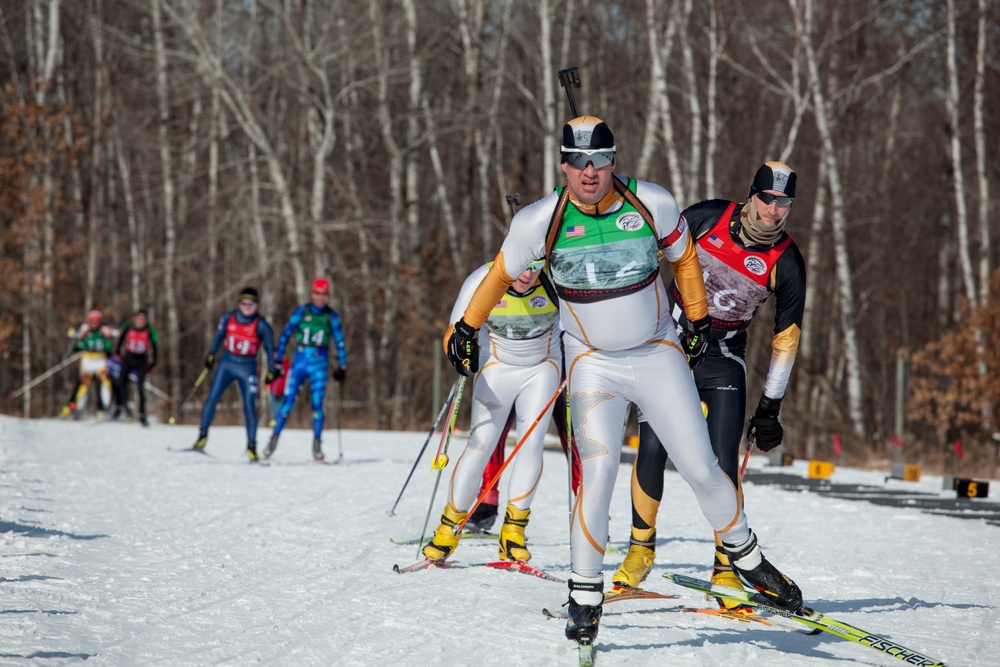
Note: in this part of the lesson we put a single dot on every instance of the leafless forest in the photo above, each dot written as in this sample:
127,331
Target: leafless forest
165,153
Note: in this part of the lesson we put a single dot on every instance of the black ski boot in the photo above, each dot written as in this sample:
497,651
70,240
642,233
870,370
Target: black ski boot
318,450
252,451
749,563
272,444
482,519
583,619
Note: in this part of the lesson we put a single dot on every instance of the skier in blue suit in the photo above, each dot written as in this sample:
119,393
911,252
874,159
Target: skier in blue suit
242,332
314,325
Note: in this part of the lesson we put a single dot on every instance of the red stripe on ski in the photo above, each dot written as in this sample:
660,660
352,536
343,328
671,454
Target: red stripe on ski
629,593
524,568
420,565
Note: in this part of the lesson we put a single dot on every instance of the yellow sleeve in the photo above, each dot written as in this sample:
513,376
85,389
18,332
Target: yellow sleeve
489,293
688,275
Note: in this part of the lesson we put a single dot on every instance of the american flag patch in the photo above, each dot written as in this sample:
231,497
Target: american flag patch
715,240
575,230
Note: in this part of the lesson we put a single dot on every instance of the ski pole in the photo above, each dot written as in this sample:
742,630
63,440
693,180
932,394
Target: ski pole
570,450
46,375
441,458
159,393
340,422
437,480
524,438
197,383
751,441
434,426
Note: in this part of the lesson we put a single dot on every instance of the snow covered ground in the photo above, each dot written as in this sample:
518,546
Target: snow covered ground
116,551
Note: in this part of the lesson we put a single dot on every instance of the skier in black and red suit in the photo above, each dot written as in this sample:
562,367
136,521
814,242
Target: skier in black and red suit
746,256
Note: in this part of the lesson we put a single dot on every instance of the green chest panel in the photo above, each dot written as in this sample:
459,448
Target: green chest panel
596,257
94,341
314,330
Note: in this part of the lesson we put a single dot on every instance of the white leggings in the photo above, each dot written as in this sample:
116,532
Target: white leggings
654,376
500,387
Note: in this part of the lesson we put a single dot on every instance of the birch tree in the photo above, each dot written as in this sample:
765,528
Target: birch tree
173,337
855,392
982,172
957,169
383,112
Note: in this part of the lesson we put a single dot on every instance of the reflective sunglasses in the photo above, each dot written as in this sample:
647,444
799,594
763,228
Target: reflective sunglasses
579,157
247,304
536,265
766,199
321,293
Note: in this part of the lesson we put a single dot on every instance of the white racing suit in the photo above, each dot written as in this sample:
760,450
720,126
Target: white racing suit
520,367
620,348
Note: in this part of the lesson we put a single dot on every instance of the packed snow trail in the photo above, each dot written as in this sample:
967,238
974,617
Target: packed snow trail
116,551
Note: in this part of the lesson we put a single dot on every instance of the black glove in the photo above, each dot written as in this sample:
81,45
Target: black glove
339,373
273,374
764,428
209,360
696,340
463,348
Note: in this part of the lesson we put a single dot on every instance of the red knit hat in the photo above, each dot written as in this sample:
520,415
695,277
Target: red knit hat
321,286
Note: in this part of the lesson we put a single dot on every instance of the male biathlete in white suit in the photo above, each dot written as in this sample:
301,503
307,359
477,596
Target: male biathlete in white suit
603,237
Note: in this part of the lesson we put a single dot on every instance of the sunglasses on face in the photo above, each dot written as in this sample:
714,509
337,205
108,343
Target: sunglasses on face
321,294
579,157
247,304
766,199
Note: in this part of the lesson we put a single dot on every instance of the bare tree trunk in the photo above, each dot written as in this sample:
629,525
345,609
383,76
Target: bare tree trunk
355,147
549,145
958,174
945,290
499,72
982,174
711,100
694,157
27,325
169,223
395,161
97,144
442,194
322,138
42,35
47,315
136,268
984,202
855,389
212,214
660,109
657,88
811,317
413,124
256,215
